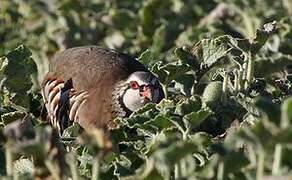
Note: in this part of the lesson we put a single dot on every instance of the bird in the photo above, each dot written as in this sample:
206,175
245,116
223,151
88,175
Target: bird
92,85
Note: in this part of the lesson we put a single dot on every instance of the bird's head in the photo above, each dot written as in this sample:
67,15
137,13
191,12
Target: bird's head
140,88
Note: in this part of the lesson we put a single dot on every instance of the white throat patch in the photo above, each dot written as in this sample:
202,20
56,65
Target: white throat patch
132,99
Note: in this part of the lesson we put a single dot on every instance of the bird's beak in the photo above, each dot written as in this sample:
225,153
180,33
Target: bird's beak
153,94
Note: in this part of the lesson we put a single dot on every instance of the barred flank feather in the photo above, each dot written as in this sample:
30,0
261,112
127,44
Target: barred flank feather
61,103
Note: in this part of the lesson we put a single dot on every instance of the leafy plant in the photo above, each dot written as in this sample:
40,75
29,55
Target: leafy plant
223,67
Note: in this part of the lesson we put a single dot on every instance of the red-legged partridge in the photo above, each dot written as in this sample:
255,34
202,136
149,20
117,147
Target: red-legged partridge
92,85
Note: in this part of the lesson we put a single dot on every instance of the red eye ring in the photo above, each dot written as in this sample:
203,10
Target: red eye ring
134,85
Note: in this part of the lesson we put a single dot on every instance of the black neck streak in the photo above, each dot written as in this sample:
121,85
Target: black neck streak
118,105
122,104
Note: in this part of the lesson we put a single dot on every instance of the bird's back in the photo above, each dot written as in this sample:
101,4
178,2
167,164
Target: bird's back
89,66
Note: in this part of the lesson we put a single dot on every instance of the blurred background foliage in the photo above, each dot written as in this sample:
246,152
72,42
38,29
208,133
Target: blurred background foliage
131,26
224,65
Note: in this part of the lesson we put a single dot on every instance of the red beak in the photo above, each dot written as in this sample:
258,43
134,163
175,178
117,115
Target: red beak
146,92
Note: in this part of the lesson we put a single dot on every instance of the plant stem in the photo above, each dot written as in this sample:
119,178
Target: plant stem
225,87
52,168
183,167
95,168
164,87
73,167
220,173
186,133
260,164
277,159
177,171
236,82
9,160
250,69
240,80
15,176
183,132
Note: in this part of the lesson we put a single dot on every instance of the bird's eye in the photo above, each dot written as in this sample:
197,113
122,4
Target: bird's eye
134,85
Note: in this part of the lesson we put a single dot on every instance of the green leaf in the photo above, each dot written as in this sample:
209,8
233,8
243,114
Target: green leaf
260,135
147,16
152,174
270,108
255,44
248,106
162,75
185,83
283,136
122,18
145,57
160,122
202,138
166,158
166,107
12,116
169,72
15,73
262,35
185,57
210,51
212,95
71,131
147,107
126,163
158,40
189,105
238,157
277,62
84,159
142,116
194,119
